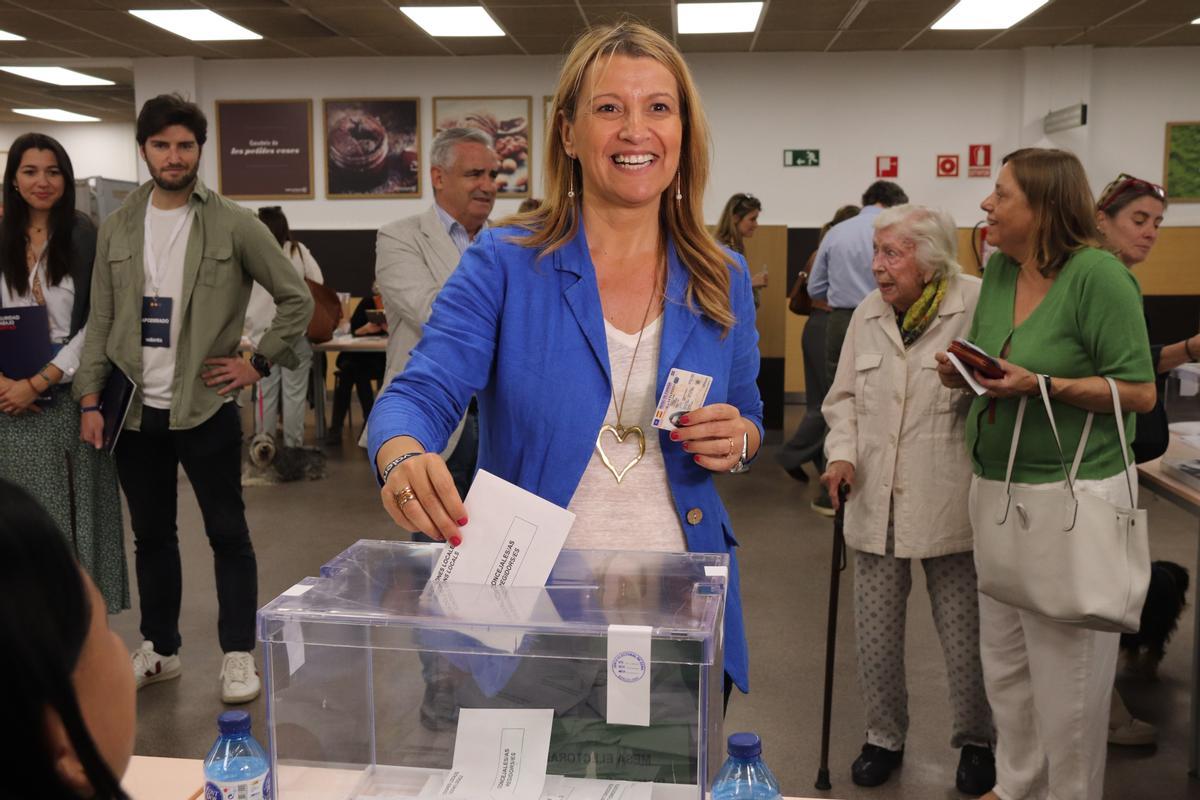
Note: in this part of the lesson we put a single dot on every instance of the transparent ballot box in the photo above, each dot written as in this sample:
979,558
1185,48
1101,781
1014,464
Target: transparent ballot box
368,666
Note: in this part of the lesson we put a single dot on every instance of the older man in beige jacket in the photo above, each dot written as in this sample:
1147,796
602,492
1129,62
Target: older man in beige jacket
896,435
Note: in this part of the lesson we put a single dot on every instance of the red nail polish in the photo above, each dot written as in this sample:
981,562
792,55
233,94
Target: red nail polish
674,436
696,459
685,446
461,522
683,420
455,541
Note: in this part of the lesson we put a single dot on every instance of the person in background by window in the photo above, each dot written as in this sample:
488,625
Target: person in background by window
357,371
46,254
291,383
738,223
808,443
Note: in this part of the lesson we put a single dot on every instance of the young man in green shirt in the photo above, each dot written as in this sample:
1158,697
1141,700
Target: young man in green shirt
173,272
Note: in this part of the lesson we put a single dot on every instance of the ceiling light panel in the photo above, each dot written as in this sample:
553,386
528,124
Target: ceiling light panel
55,115
453,20
718,17
199,25
980,15
59,76
5,36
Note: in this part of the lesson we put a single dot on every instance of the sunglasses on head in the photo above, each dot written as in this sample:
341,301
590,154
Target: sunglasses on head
1124,184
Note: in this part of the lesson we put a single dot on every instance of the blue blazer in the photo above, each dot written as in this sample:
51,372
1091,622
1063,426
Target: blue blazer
526,337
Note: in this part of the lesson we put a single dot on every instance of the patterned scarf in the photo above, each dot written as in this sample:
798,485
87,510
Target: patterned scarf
921,313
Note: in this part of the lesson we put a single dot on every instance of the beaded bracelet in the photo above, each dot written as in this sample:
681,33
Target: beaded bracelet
86,409
395,462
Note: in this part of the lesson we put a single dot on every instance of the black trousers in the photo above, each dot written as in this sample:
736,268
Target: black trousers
147,464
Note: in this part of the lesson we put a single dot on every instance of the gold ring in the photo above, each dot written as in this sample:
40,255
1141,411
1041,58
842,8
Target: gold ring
404,496
727,455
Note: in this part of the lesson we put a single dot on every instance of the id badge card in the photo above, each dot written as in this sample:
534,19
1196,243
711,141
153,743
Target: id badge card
685,391
156,321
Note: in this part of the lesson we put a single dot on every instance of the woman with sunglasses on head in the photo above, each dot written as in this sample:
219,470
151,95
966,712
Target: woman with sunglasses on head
738,223
1055,310
1128,214
46,253
69,691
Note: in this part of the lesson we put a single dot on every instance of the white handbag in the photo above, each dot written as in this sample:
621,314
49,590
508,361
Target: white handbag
1069,556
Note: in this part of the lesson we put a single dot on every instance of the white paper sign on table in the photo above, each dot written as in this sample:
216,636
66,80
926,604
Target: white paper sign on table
560,788
512,538
628,692
500,753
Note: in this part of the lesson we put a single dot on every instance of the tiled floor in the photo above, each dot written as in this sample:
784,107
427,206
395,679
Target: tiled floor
785,557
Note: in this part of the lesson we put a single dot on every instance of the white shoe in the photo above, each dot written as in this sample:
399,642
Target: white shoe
151,667
1132,732
239,678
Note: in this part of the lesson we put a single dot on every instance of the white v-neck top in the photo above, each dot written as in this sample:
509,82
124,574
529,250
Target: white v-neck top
638,513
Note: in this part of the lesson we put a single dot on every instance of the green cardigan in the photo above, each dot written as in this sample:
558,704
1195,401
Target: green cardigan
1089,323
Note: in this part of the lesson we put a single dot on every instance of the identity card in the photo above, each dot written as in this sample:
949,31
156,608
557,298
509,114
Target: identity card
685,391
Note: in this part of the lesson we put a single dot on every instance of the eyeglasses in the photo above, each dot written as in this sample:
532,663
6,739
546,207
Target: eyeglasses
1124,184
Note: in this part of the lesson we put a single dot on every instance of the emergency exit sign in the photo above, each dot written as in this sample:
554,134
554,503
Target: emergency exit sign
802,158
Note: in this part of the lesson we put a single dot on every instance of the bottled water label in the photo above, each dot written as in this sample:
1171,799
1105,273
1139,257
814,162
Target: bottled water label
254,789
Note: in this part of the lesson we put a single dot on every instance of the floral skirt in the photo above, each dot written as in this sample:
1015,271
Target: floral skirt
76,484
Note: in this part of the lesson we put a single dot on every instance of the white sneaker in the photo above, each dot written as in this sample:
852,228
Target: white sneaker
151,667
239,678
1132,732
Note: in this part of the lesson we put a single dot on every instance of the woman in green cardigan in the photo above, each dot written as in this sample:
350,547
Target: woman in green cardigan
1052,303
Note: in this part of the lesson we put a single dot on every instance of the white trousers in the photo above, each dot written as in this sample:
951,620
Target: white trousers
293,385
1049,685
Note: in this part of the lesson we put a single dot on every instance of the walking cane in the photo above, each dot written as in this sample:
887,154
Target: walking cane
835,574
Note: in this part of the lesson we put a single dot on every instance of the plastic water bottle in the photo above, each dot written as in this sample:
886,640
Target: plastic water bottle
237,767
745,776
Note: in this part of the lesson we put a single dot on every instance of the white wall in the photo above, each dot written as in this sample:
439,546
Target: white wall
851,106
106,149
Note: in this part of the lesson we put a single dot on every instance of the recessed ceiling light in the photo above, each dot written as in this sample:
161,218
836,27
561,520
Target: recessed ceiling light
59,76
979,15
5,36
55,115
453,20
199,25
718,17
1196,21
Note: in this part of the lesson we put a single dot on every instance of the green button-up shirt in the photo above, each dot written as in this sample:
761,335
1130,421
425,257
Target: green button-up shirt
228,250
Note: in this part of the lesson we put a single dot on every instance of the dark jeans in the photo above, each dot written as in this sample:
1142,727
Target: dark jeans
147,462
808,443
835,337
355,371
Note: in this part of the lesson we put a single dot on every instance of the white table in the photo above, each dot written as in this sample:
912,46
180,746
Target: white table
151,778
338,344
1168,485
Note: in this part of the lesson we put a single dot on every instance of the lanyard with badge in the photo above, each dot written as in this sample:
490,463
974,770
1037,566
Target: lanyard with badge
156,311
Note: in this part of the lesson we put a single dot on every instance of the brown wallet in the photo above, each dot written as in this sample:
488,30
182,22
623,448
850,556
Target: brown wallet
982,363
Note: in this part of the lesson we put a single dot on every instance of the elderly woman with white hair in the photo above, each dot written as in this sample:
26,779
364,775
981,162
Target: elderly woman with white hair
896,436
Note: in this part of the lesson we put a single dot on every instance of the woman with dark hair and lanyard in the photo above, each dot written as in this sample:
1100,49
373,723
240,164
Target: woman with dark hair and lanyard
69,691
46,253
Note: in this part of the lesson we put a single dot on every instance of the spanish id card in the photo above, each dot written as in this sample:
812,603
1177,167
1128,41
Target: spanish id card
685,391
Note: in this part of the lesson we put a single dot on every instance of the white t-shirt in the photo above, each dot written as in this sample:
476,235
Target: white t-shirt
158,363
638,513
260,311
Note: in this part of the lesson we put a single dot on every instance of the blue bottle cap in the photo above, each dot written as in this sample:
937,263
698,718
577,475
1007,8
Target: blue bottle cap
231,722
745,745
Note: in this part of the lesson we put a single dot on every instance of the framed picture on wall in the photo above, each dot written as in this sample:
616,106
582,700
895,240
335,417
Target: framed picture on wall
264,149
506,120
1181,163
373,147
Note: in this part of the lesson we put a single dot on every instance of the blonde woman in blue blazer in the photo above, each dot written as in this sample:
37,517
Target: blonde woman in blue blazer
566,323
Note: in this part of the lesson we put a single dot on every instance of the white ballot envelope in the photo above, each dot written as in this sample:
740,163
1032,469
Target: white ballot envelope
499,753
512,538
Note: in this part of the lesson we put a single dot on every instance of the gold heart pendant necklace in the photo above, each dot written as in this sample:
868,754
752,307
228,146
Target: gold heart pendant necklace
619,431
